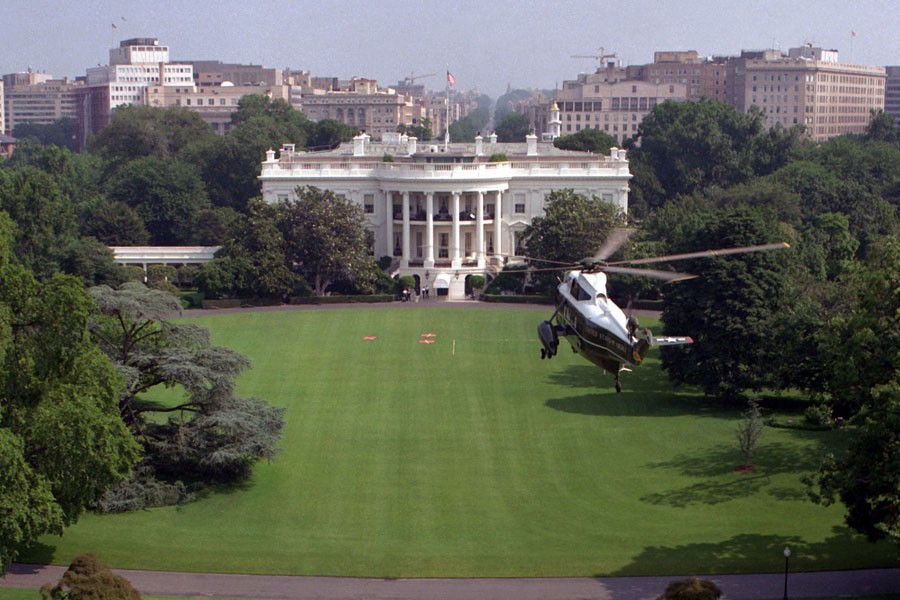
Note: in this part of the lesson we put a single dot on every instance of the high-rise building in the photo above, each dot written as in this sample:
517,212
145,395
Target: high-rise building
135,64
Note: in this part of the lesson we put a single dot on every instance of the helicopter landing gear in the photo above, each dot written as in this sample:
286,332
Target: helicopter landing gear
618,384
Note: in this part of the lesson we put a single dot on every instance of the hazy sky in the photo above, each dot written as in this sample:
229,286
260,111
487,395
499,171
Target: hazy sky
486,44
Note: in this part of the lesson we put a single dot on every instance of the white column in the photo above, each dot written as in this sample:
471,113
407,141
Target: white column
404,260
498,226
479,230
429,230
389,221
454,242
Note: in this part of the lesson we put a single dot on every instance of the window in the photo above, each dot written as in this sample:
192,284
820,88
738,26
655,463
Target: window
369,203
519,204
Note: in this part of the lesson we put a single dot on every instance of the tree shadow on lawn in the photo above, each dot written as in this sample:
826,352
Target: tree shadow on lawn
723,483
759,553
646,393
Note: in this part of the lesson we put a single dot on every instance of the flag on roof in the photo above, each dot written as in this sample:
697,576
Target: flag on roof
451,80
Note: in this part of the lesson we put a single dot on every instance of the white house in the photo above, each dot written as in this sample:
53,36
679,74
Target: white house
447,211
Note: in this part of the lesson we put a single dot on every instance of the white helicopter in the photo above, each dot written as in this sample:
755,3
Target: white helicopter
595,326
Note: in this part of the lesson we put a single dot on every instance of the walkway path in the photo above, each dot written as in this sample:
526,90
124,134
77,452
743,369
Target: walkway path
736,587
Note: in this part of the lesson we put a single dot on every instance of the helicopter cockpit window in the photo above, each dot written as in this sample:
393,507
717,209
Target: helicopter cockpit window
578,292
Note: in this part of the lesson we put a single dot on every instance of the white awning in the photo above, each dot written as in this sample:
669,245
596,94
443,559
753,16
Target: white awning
442,281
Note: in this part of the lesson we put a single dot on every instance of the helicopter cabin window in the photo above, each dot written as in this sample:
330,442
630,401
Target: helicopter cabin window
578,292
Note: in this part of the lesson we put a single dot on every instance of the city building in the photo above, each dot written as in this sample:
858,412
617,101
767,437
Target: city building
610,99
40,103
362,104
892,93
133,65
444,215
809,87
214,103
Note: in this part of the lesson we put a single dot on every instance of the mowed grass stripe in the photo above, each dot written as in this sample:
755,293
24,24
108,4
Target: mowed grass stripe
472,457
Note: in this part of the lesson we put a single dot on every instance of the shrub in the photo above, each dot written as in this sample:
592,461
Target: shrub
819,414
88,579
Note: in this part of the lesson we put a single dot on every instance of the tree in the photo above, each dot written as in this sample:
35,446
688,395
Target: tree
325,237
143,131
573,227
859,345
45,221
513,128
692,589
749,431
166,193
253,263
689,146
89,579
211,436
731,309
62,443
882,127
586,140
328,134
113,223
866,478
62,132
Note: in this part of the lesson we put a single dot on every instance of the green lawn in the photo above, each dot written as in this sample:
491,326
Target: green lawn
472,457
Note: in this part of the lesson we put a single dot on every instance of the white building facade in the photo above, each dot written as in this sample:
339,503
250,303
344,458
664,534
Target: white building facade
444,213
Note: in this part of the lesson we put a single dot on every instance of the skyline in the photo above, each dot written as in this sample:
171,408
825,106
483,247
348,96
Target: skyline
484,45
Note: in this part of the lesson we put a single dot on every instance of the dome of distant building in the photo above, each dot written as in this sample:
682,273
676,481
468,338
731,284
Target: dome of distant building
227,84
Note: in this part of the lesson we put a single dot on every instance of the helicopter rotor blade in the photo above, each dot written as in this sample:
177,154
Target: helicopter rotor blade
667,276
616,238
703,254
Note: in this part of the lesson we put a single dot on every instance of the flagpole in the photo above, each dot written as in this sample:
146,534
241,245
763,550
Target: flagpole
447,120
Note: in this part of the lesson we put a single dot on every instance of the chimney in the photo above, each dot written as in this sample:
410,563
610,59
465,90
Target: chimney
531,141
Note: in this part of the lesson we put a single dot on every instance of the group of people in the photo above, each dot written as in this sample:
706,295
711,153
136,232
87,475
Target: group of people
423,294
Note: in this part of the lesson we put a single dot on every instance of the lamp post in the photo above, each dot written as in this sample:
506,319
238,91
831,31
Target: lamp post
787,557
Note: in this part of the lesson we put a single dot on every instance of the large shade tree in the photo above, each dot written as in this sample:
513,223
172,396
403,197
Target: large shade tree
730,310
325,237
211,434
62,443
573,227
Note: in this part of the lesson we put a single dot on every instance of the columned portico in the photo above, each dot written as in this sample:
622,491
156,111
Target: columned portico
404,259
479,230
454,243
443,215
429,230
498,227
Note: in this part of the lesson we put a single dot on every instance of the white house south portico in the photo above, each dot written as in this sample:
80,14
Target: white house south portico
444,213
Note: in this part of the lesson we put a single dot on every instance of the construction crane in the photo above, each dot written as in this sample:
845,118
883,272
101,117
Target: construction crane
412,78
601,58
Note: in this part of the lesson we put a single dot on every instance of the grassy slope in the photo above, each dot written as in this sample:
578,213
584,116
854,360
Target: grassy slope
404,459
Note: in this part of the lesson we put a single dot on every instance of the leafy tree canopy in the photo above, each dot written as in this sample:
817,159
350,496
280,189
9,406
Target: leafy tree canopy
730,309
62,443
325,237
513,128
141,131
586,140
211,436
573,227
